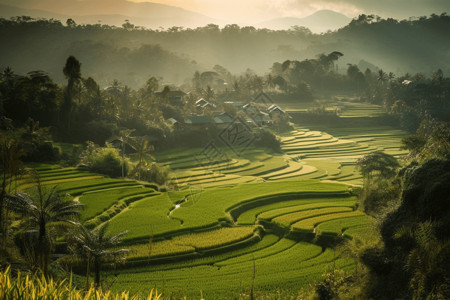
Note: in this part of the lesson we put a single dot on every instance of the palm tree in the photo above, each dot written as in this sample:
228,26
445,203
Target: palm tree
97,248
142,148
209,93
123,137
46,215
10,166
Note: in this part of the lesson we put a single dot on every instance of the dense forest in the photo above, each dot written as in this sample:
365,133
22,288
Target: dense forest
131,53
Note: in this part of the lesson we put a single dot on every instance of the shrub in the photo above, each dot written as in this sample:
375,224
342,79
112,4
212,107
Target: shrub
42,152
154,173
267,139
103,160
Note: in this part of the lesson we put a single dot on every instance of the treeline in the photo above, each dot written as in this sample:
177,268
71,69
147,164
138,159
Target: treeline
411,46
82,110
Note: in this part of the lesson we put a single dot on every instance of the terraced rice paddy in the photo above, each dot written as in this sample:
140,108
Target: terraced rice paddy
216,221
329,155
212,243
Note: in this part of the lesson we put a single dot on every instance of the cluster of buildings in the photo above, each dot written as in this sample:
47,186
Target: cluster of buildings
259,112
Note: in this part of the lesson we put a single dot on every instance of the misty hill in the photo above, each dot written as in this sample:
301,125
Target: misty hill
133,55
111,12
320,21
7,11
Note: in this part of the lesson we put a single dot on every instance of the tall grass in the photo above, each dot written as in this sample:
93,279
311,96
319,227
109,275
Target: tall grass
39,288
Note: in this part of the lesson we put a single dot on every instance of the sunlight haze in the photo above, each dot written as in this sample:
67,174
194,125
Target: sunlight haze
259,10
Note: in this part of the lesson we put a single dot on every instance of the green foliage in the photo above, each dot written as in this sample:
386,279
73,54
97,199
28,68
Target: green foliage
103,160
25,286
96,248
432,140
152,172
412,241
45,215
97,202
98,131
378,163
379,195
266,138
328,288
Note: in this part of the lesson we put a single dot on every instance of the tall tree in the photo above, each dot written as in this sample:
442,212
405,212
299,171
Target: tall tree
97,248
10,153
47,215
123,137
142,147
377,163
72,71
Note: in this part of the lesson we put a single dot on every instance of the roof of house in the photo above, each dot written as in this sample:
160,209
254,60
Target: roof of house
201,102
276,109
197,120
236,104
250,108
261,118
272,107
223,118
208,105
172,121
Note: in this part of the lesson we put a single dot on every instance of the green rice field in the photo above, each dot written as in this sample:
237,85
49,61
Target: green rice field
216,224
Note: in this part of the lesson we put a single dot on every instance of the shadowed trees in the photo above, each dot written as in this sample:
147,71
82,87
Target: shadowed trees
300,76
378,170
413,262
377,163
10,164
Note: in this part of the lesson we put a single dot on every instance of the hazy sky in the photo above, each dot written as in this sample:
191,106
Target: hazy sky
260,10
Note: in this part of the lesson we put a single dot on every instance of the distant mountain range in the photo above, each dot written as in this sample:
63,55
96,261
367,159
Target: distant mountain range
111,12
150,15
320,21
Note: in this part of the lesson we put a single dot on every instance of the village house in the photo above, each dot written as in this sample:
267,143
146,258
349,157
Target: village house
176,125
275,110
198,122
222,120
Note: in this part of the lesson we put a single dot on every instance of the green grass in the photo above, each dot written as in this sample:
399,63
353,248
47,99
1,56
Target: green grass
291,218
278,247
310,223
203,246
288,270
324,203
98,201
191,242
345,224
145,217
267,212
269,165
150,215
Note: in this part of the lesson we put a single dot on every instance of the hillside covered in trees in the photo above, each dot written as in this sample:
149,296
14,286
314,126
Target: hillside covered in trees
130,53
